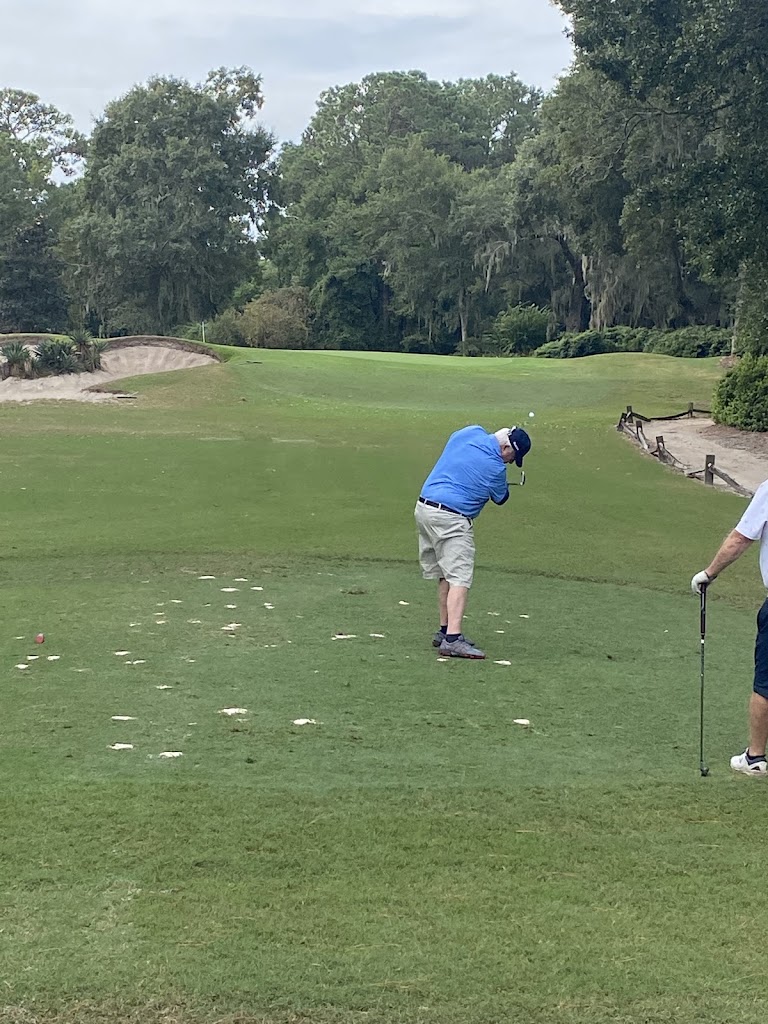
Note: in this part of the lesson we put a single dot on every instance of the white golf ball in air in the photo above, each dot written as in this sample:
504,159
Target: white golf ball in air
531,415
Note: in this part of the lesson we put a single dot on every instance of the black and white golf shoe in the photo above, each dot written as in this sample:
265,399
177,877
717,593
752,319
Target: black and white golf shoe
749,765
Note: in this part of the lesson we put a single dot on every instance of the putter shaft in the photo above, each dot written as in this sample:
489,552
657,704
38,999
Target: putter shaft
703,624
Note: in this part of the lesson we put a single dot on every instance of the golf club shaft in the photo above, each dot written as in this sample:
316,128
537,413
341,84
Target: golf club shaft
702,766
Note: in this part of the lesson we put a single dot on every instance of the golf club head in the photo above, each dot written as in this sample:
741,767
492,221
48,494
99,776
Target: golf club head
704,771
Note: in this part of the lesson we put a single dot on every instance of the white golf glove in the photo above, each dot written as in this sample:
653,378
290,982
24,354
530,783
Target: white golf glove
701,579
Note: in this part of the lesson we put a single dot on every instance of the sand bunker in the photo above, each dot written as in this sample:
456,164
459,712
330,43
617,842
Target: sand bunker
125,361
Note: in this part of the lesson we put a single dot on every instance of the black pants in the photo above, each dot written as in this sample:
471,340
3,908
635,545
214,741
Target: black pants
761,653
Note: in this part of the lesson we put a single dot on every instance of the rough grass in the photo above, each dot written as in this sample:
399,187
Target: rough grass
414,856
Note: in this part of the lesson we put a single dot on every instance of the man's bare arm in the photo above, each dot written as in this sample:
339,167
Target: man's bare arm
733,547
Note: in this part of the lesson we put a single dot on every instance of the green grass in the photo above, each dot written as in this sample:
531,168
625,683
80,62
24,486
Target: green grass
6,338
414,856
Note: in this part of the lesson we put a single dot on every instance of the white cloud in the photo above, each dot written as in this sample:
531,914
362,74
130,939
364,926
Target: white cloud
296,10
300,47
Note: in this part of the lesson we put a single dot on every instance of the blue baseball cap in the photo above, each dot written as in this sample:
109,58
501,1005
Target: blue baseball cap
521,444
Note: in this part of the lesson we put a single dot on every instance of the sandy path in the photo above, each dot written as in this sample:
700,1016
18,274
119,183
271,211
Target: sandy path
132,361
740,454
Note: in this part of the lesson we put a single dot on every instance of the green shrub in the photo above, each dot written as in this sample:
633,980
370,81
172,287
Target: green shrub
690,342
97,349
191,332
226,329
687,342
419,344
475,347
279,319
552,350
574,346
627,339
741,397
54,357
517,331
87,350
17,356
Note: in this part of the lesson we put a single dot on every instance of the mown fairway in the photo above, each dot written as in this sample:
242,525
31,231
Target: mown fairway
415,856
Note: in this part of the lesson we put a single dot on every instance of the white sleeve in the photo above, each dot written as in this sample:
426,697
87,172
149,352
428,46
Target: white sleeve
753,522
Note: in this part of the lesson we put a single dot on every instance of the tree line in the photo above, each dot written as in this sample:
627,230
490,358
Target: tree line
412,214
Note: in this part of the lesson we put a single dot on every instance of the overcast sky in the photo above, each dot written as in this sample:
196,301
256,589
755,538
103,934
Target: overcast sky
80,54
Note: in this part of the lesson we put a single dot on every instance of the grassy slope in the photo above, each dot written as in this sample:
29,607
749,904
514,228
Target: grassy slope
416,857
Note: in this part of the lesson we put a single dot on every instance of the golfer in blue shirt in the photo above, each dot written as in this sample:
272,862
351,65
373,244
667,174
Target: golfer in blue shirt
471,470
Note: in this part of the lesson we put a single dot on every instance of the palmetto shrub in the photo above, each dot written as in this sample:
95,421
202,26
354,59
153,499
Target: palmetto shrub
54,357
17,356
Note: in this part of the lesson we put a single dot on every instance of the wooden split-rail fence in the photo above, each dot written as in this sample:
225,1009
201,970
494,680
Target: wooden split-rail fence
631,423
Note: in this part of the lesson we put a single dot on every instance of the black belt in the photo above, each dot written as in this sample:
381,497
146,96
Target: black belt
443,508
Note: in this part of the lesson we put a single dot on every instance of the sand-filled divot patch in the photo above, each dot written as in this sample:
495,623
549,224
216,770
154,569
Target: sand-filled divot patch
121,746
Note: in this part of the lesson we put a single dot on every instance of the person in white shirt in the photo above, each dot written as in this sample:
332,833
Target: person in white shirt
752,526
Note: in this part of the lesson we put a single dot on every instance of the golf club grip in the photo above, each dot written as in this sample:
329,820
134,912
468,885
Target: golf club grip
703,617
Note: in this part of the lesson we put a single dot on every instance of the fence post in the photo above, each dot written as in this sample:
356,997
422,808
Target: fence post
709,476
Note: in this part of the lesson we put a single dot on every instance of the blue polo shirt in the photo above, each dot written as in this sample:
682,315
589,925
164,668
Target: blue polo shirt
468,473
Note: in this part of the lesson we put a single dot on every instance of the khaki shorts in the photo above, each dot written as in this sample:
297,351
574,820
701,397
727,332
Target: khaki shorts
446,545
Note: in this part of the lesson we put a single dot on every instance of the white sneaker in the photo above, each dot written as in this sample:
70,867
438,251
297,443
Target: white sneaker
741,764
